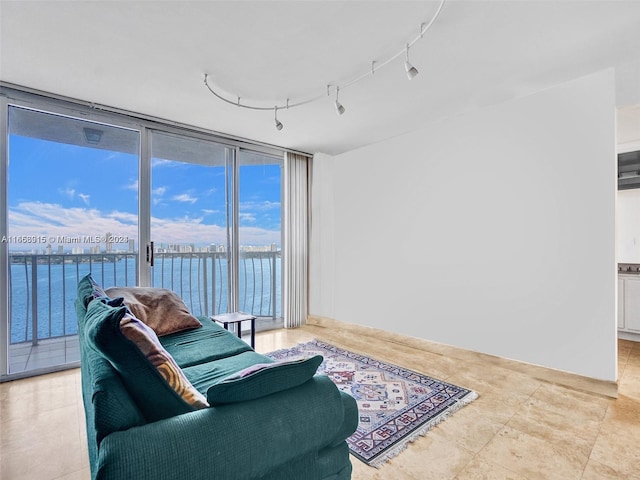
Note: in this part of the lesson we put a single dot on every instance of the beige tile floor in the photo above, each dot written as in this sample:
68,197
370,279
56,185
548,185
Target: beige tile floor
519,428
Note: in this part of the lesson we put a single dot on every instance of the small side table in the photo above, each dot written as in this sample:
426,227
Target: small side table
237,317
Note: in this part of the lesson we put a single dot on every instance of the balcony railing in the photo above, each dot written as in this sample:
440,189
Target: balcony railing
42,288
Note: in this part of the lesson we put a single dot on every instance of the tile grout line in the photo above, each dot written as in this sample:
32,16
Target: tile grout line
600,423
506,425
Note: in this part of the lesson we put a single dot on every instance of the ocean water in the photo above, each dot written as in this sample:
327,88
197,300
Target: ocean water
200,281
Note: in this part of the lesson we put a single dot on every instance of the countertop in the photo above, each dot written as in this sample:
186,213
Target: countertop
629,268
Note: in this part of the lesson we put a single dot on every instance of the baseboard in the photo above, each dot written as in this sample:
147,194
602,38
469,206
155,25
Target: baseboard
550,375
632,337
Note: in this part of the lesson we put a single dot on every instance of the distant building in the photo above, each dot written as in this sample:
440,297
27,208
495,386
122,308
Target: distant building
108,244
259,248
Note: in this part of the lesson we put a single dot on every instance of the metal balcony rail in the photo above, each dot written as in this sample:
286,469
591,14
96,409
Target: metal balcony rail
42,287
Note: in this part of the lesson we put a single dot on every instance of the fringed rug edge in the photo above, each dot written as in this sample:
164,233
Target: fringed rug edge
397,449
420,432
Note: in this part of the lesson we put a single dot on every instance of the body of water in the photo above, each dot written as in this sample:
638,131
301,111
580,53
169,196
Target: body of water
201,280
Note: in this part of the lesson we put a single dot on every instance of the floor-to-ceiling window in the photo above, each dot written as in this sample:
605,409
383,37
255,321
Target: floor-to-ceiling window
190,221
134,203
260,235
216,226
72,208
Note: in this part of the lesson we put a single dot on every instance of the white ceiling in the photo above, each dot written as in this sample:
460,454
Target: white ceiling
150,57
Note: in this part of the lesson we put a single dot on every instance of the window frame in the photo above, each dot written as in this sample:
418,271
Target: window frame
16,96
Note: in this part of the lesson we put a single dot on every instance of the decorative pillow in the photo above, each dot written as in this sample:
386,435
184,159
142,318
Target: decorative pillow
263,379
88,289
98,291
147,341
148,371
159,308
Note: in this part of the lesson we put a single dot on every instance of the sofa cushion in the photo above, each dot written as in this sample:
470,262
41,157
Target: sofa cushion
204,345
159,308
150,387
263,379
88,289
112,406
204,375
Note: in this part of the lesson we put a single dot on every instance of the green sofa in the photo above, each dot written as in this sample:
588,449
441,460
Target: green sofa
282,423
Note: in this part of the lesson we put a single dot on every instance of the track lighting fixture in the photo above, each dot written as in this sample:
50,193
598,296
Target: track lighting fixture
275,114
410,69
339,108
375,66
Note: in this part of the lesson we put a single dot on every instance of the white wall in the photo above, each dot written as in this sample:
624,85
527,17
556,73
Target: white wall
322,254
492,231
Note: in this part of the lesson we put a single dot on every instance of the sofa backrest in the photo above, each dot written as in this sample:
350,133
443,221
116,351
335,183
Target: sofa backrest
107,404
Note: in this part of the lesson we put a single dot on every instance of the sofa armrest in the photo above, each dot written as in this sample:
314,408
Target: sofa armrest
233,441
350,420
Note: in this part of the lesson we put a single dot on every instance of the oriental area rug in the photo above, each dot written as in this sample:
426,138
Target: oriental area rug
395,405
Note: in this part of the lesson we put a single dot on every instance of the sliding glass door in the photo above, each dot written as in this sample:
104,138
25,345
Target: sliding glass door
215,226
72,209
133,204
260,235
190,220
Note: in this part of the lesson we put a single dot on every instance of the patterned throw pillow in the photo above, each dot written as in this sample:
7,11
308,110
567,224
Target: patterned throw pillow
147,341
154,395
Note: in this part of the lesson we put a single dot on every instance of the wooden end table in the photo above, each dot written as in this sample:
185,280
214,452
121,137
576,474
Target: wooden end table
237,317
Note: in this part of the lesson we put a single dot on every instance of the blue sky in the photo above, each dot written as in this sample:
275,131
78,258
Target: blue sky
59,189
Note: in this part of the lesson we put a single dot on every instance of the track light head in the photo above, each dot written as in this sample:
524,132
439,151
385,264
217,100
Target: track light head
410,69
277,122
339,108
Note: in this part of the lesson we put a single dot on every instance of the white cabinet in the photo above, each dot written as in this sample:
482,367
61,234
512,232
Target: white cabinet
632,303
629,303
620,302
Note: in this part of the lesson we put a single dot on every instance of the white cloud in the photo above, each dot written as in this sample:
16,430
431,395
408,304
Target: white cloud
259,236
159,191
132,186
85,198
161,162
124,217
247,217
259,206
185,197
67,192
49,219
